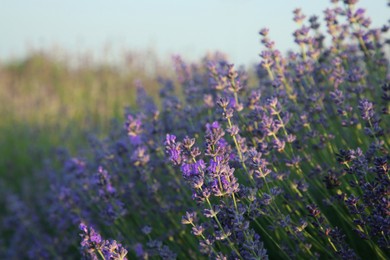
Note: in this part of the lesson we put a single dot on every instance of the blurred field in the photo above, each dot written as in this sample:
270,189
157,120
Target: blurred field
47,102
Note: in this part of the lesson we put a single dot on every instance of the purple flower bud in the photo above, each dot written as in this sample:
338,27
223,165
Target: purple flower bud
83,227
173,149
208,101
198,230
139,251
146,230
367,109
350,2
188,218
170,140
233,130
186,170
95,237
223,102
264,32
211,213
134,129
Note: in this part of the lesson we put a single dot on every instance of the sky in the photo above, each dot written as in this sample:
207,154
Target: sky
190,28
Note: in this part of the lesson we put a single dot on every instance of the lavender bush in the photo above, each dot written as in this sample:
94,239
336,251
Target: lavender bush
295,166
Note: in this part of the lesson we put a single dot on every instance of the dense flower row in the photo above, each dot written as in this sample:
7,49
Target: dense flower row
294,166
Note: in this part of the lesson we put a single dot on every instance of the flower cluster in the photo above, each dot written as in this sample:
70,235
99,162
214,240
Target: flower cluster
293,164
93,245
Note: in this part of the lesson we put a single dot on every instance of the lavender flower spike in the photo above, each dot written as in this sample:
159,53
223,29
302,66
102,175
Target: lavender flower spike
173,149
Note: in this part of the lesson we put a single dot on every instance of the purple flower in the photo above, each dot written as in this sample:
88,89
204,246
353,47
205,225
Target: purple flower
134,129
146,230
298,15
95,237
93,245
114,251
104,183
75,165
192,169
264,32
91,239
139,250
173,149
367,109
198,230
188,218
140,156
214,164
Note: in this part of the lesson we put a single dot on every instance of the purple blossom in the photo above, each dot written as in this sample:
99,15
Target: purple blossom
264,32
192,169
139,251
366,109
173,149
133,126
298,155
93,246
104,183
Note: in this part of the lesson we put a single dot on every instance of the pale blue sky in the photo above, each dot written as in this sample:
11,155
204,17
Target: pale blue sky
186,27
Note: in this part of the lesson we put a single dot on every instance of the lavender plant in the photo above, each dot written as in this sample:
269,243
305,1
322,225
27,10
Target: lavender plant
295,166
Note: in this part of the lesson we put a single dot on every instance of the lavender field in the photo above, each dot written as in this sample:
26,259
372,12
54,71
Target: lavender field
288,159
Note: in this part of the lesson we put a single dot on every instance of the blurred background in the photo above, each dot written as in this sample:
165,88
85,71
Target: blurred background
67,68
191,28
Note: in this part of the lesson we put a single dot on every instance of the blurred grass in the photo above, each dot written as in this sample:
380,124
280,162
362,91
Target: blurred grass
48,102
50,99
